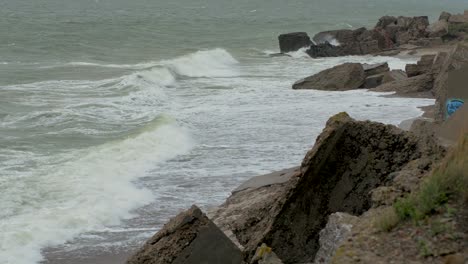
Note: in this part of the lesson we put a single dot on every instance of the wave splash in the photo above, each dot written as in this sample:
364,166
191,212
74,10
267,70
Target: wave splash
84,191
77,190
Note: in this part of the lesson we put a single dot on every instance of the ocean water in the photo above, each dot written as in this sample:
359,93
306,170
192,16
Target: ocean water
115,115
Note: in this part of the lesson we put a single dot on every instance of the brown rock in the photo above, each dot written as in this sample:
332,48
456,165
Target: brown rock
188,238
349,159
343,77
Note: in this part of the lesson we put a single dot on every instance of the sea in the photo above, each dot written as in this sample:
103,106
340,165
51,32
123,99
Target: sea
115,115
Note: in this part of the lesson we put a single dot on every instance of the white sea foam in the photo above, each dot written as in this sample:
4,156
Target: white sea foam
209,63
138,66
300,53
84,191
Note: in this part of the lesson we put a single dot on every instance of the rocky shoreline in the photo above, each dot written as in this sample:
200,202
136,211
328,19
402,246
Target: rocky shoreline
341,205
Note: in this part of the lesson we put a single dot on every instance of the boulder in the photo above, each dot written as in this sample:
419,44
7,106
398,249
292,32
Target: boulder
444,16
343,77
438,29
373,69
419,86
188,238
348,160
293,41
424,65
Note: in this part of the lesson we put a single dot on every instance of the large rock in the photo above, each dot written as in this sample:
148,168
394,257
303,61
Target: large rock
349,159
188,238
293,41
424,65
343,77
418,86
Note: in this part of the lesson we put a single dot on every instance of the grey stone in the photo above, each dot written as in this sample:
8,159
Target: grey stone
188,238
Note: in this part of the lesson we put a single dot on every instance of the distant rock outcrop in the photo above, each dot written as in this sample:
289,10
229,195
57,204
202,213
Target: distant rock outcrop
188,238
389,33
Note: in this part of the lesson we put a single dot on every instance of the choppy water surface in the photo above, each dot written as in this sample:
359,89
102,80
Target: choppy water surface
115,115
